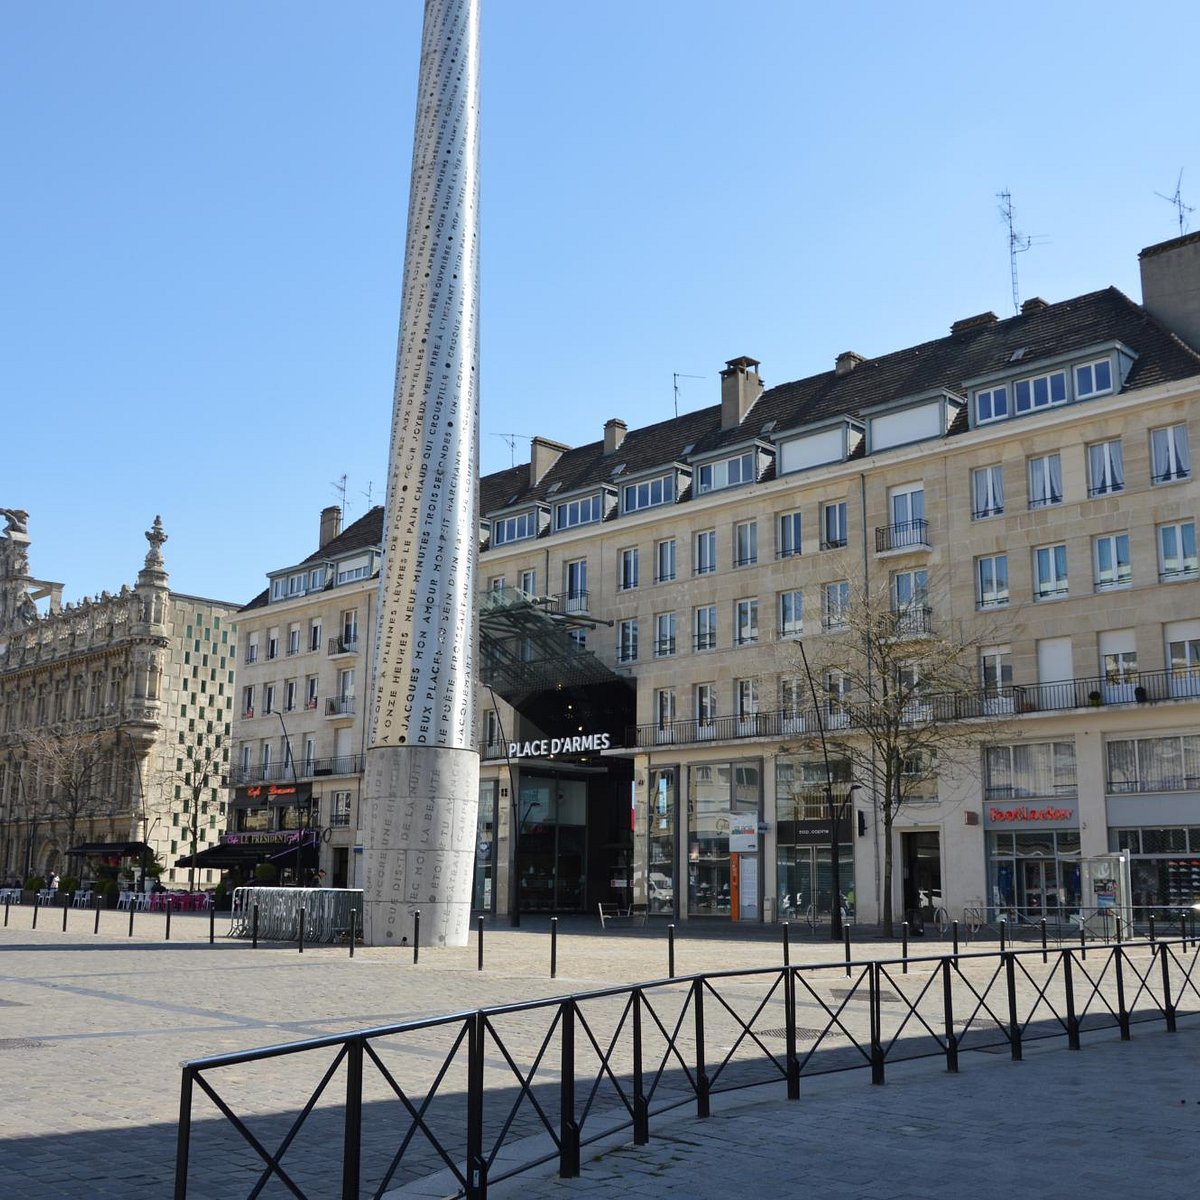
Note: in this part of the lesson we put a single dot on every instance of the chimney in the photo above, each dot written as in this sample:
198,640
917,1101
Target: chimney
979,321
1033,304
331,525
614,434
543,454
1171,285
740,388
847,361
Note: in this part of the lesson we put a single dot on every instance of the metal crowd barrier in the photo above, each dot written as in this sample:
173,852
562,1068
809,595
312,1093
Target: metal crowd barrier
485,1094
326,913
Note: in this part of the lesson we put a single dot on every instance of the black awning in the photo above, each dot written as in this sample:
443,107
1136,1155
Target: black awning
111,849
224,856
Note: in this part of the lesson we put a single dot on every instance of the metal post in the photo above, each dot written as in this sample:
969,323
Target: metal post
476,1162
904,945
1152,938
948,1005
352,1133
846,941
873,970
1014,1030
1003,934
416,936
789,1025
254,928
671,951
212,924
702,1082
1168,1007
353,929
479,966
1045,956
6,905
568,1156
1131,931
300,935
167,906
553,947
1122,1012
132,910
64,928
96,924
641,1110
183,1137
1082,938
787,957
1069,994
37,903
954,930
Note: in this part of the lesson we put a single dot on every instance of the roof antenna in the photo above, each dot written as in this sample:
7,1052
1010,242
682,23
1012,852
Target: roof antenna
367,493
339,486
1018,243
1177,200
511,439
676,376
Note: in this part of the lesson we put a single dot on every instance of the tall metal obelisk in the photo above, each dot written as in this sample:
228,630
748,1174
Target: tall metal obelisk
421,788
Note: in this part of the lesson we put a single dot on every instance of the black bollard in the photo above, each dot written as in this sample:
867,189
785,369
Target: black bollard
670,951
787,954
131,912
1082,938
254,928
96,925
1003,934
846,938
212,924
553,947
954,927
904,945
479,965
1045,956
416,936
167,906
1151,926
37,903
7,902
64,928
300,936
353,929
1119,930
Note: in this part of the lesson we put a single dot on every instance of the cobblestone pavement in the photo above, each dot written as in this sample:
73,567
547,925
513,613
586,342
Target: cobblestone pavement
93,1027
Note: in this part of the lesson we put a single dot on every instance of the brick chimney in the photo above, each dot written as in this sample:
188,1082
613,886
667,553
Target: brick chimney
740,388
614,434
847,361
331,525
1171,285
543,454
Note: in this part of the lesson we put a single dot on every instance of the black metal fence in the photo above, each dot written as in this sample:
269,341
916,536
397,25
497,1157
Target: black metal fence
485,1094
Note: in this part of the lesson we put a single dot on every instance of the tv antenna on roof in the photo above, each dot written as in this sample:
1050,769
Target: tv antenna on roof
1181,209
511,439
367,493
1018,243
676,376
339,486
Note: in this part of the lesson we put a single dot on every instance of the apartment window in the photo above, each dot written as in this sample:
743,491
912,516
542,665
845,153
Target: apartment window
987,492
837,693
1029,770
1093,379
1177,550
1154,764
991,405
350,628
1183,652
1040,391
496,584
910,589
278,589
705,626
529,583
295,585
995,670
314,635
265,757
792,697
316,579
357,569
514,529
1111,558
310,692
745,543
727,473
1106,469
664,561
991,575
289,696
1169,457
293,639
575,575
1050,572
272,644
1118,661
247,701
745,622
650,493
788,544
585,511
579,638
706,703
269,699
835,604
1045,481
746,691
664,634
664,707
791,613
706,552
247,759
339,809
252,648
629,569
907,505
833,525
627,641
310,756
346,684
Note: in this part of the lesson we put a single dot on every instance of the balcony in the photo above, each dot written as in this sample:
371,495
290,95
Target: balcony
568,602
907,535
340,706
343,645
914,620
277,772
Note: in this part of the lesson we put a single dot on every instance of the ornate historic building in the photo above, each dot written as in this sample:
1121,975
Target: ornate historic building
114,719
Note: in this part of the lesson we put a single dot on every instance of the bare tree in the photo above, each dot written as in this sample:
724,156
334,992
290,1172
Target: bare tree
899,695
197,778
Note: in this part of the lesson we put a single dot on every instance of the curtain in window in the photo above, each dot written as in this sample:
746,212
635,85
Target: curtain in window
989,491
1107,465
1122,766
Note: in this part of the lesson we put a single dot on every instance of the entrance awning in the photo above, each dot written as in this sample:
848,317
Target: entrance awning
224,856
111,849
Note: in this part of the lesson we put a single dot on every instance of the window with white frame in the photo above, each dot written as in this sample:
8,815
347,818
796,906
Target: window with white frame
339,809
295,584
745,543
664,560
248,701
907,505
664,707
252,648
310,755
835,604
1093,379
314,634
357,568
664,634
991,404
350,628
729,472
1170,459
837,694
575,578
746,691
1118,661
1040,391
705,560
629,569
1110,556
289,695
1050,572
791,613
706,703
1027,770
247,759
496,584
833,525
1106,468
987,492
1154,764
514,529
792,696
584,511
995,670
627,641
1183,654
788,528
1177,551
272,644
910,590
1045,481
310,691
293,639
745,622
649,493
269,699
705,627
279,589
316,579
529,583
266,754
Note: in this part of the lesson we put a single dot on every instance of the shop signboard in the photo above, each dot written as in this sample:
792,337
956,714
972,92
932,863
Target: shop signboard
743,835
1008,814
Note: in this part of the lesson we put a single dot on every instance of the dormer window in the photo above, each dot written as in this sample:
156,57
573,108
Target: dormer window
991,404
1041,391
584,511
514,529
1093,379
650,493
729,472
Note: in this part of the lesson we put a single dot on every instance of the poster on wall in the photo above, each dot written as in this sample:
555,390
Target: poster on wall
743,835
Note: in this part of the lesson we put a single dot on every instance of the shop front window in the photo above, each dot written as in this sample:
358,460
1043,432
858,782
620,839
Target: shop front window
663,807
483,892
1034,875
724,801
552,843
1164,867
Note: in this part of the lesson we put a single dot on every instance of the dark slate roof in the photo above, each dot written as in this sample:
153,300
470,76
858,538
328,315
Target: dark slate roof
946,363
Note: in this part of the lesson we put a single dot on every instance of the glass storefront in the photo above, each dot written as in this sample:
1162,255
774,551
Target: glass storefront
663,807
1033,875
552,843
724,802
1164,865
483,897
804,859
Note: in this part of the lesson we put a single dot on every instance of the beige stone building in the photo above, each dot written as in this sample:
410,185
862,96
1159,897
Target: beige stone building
115,719
1023,485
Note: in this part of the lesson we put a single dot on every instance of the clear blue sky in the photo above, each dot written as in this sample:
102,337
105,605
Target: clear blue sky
202,227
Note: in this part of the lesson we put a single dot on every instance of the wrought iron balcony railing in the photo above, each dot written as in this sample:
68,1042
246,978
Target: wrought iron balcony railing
905,535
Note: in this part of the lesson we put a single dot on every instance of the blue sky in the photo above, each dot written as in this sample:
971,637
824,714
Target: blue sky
202,228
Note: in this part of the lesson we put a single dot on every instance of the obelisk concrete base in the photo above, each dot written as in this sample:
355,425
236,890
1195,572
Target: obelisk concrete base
419,825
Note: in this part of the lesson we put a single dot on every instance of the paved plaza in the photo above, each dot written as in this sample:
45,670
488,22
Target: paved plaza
93,1028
